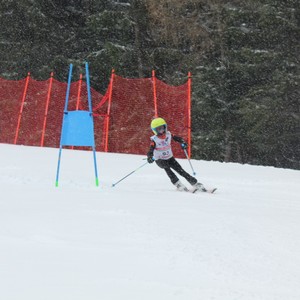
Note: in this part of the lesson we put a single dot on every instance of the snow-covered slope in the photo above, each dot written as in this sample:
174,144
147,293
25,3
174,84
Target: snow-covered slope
142,239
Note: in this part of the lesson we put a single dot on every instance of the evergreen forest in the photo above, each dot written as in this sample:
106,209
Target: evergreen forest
244,56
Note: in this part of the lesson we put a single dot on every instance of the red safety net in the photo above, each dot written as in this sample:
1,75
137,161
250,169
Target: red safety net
131,113
31,112
31,123
55,113
10,100
172,105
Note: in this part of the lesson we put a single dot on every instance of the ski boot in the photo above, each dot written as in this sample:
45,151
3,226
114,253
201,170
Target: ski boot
198,187
180,186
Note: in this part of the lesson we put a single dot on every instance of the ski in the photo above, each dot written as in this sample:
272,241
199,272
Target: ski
203,190
197,188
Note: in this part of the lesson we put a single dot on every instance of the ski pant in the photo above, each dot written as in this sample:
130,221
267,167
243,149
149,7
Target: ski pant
172,163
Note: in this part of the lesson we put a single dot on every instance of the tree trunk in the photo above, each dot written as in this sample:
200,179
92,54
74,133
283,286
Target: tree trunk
228,148
137,32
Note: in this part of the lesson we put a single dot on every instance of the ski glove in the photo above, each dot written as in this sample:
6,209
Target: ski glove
150,159
184,145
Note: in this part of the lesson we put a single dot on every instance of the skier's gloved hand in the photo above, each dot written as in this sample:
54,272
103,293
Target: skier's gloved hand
184,145
150,159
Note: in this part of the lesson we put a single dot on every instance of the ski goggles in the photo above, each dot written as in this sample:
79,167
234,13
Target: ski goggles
160,129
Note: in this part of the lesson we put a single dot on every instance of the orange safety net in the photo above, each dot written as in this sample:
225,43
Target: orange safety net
31,123
172,105
133,107
130,116
55,113
10,99
31,112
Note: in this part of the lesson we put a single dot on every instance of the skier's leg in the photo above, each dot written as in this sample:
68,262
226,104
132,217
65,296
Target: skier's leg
174,179
164,164
177,167
192,180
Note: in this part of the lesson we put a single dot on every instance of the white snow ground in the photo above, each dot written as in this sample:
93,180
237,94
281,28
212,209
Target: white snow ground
142,239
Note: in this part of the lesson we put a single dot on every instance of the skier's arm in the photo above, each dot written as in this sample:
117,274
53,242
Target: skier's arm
180,140
150,152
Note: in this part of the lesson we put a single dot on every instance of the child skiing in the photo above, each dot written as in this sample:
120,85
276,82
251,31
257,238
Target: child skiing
161,152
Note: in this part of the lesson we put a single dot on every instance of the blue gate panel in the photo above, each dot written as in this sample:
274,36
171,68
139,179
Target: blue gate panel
78,129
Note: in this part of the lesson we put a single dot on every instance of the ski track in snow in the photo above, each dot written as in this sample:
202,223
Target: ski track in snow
142,239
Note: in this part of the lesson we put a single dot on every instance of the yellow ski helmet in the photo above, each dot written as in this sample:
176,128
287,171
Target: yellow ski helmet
158,122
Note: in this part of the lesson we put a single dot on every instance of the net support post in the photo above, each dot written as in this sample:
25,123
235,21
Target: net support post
189,108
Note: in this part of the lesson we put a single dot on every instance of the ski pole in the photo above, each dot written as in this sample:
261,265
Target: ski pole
130,174
194,173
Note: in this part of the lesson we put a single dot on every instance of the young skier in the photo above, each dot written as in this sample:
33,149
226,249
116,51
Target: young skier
161,152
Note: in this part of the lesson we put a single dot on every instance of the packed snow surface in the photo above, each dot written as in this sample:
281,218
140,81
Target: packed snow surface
142,239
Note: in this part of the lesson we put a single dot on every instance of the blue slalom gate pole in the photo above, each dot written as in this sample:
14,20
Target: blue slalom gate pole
130,173
88,86
65,111
95,166
58,166
68,88
91,112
